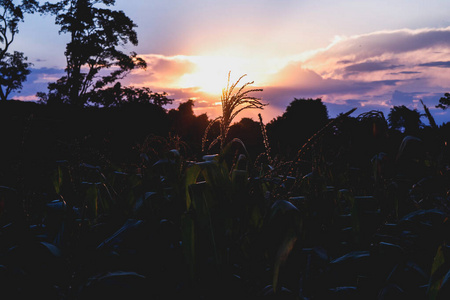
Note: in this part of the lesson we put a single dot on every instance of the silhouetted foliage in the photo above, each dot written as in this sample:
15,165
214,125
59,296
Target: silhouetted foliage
96,35
302,118
119,95
13,72
189,127
182,118
249,132
404,119
444,102
13,67
11,15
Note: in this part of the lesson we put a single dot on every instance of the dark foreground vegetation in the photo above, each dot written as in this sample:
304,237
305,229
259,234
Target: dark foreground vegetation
122,203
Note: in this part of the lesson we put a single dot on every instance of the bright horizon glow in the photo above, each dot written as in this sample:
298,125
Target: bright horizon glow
211,72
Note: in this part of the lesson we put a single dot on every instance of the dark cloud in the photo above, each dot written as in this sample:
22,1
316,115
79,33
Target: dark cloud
386,82
439,64
371,66
344,62
405,72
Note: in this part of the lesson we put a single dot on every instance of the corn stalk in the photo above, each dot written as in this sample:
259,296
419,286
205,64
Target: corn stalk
232,105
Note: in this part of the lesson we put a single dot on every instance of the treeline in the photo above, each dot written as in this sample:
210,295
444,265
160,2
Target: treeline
36,136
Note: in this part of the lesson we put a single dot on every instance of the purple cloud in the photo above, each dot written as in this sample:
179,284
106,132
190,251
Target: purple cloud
405,72
371,66
440,64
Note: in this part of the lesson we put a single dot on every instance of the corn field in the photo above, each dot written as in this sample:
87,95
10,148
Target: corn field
335,221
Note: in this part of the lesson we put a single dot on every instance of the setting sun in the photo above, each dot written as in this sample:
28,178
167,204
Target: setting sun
210,72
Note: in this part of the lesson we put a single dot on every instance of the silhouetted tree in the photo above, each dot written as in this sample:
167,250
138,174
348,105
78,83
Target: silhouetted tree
444,102
189,127
13,72
249,132
302,118
119,95
13,67
182,119
10,17
405,120
95,37
183,116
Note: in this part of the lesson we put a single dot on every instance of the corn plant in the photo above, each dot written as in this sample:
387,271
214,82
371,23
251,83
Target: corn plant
211,191
232,104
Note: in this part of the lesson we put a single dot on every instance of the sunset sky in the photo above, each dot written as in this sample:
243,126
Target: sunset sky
364,54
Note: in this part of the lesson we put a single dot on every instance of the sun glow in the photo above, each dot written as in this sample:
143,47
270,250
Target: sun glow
211,72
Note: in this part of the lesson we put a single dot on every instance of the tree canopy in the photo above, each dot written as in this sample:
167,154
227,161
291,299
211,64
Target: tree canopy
10,17
444,102
119,95
404,119
13,72
94,56
302,118
13,66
